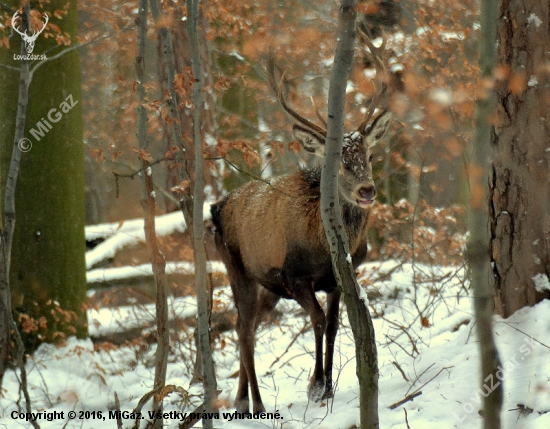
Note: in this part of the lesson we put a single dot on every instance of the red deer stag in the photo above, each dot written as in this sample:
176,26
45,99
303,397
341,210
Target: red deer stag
272,241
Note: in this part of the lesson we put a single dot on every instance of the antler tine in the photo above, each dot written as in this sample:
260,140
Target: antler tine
277,88
378,57
45,22
13,18
319,116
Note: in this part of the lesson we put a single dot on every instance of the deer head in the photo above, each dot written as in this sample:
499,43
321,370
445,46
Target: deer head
29,40
356,182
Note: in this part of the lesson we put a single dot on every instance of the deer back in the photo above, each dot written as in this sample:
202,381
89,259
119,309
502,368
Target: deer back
263,224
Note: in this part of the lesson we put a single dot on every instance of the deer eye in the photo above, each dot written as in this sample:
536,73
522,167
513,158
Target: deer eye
371,158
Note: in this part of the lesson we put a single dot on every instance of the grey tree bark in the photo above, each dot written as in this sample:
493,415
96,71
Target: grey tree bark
148,202
359,317
6,239
478,243
520,182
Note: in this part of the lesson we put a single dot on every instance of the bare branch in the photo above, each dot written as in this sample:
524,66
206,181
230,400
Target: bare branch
405,399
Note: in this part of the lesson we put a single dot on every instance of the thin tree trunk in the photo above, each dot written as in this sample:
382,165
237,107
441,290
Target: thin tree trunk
149,205
201,280
8,228
359,317
478,243
168,63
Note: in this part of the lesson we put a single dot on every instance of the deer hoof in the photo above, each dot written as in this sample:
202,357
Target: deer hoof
259,409
242,405
329,393
316,391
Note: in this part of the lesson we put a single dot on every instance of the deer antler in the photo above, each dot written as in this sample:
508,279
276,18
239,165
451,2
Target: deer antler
13,18
44,26
381,73
29,40
319,116
277,88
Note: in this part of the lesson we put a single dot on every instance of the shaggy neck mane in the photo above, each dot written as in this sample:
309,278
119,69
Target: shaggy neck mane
353,216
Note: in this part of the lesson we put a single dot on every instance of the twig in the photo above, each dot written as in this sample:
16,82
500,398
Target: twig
63,52
118,414
306,325
405,399
400,370
406,418
17,69
526,334
418,377
431,379
7,8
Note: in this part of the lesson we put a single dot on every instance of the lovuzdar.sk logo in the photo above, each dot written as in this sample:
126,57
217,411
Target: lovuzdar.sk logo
28,39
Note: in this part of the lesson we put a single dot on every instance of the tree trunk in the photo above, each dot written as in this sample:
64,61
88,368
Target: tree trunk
148,202
358,313
47,263
478,242
202,285
520,185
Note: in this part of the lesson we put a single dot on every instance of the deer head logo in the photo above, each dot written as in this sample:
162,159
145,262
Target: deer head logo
29,40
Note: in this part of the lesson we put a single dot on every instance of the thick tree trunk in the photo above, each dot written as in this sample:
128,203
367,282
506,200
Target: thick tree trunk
47,261
520,185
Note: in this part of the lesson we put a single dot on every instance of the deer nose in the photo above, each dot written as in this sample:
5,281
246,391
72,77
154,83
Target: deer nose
367,192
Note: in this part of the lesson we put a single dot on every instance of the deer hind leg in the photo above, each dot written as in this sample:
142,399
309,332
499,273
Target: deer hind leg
245,295
333,307
304,294
266,303
246,300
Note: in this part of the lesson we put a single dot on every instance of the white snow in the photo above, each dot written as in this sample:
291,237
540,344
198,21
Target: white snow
534,19
424,326
442,96
533,81
541,282
118,235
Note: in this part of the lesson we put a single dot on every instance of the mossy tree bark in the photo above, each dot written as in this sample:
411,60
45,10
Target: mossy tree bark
47,263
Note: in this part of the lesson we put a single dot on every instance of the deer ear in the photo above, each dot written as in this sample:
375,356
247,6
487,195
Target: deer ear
309,140
377,129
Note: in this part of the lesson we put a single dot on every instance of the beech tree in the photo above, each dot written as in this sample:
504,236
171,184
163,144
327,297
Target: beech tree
47,275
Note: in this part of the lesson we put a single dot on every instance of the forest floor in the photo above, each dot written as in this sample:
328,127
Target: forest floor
427,342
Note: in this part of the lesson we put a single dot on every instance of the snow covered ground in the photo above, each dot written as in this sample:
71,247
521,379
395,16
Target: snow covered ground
426,338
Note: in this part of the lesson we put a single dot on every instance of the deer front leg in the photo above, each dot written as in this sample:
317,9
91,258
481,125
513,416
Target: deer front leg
304,294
